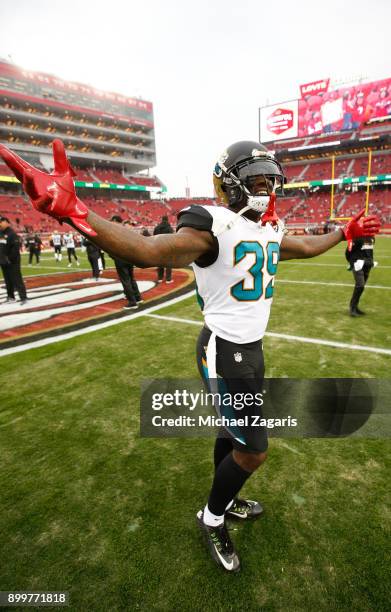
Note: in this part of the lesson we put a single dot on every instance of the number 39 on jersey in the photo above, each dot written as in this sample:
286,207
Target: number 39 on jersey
261,257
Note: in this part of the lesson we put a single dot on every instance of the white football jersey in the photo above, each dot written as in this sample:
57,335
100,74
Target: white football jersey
69,241
235,288
56,239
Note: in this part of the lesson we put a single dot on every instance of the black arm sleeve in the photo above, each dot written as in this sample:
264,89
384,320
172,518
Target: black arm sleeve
197,217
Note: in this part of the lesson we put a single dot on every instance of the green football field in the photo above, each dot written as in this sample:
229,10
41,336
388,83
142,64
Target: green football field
90,507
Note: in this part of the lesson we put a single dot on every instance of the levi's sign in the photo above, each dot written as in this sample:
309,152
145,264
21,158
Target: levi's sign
314,87
280,120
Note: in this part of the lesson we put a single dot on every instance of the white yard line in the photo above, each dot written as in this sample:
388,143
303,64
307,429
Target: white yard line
71,269
293,262
91,328
148,313
319,341
300,282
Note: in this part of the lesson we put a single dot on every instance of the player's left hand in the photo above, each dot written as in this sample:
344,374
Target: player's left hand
359,227
53,194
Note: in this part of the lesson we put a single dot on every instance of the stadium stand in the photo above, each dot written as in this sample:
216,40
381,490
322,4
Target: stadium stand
98,133
84,175
110,175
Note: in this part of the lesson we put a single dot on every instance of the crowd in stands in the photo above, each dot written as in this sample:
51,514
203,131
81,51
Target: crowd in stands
100,175
344,167
303,207
300,210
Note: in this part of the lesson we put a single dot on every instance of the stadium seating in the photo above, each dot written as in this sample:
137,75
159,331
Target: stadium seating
293,172
149,181
318,171
344,166
111,176
300,211
84,174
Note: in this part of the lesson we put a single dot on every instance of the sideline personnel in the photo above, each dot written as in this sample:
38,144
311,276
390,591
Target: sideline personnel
10,262
360,259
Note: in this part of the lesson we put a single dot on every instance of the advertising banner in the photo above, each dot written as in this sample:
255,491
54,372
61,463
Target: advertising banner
344,109
279,121
324,111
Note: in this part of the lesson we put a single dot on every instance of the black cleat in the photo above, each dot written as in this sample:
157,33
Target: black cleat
244,509
354,312
220,545
360,312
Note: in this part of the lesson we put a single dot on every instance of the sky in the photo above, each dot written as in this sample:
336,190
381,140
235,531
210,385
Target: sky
206,65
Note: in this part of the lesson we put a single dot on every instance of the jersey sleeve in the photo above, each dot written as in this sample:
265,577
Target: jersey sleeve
197,217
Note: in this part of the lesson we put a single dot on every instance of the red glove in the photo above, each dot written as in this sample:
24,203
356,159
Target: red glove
53,194
369,226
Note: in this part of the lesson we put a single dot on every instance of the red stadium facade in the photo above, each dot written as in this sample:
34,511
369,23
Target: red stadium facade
110,140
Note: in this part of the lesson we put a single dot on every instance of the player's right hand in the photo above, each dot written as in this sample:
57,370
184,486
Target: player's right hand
53,194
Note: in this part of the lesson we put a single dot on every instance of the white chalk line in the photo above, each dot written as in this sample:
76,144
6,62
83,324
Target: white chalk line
91,328
294,262
301,282
306,340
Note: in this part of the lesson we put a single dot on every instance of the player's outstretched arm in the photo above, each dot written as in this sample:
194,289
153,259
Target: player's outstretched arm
54,194
293,247
174,250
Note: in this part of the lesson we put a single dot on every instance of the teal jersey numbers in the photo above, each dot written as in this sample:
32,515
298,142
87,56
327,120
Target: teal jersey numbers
242,250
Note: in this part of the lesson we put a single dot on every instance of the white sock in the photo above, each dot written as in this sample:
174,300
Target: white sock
212,520
229,505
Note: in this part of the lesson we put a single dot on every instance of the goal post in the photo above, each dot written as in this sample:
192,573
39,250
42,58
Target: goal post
332,218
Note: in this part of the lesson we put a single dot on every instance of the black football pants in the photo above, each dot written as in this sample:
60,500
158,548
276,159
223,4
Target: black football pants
240,371
129,283
360,280
95,266
34,253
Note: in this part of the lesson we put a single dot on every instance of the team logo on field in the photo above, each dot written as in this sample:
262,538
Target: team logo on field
67,301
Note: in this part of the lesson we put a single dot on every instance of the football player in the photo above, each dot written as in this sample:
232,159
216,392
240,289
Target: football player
234,250
69,240
57,245
360,259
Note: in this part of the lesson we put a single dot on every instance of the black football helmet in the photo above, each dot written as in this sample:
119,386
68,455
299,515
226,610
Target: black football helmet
247,173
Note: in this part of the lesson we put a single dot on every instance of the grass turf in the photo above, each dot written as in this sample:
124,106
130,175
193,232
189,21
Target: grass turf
48,264
90,507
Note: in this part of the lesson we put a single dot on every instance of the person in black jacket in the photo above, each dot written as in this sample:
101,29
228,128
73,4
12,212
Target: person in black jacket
33,244
94,257
126,276
360,260
164,227
10,262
